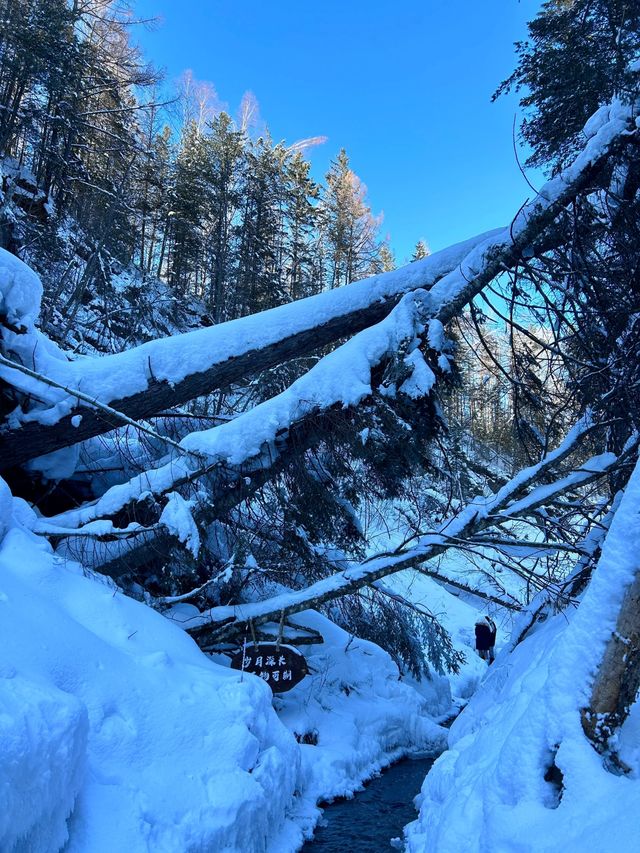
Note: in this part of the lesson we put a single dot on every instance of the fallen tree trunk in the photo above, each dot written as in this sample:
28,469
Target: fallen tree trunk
615,593
165,373
618,680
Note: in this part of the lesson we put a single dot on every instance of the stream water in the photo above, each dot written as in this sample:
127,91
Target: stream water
368,822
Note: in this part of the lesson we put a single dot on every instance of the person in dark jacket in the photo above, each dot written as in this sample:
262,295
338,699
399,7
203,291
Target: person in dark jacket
486,631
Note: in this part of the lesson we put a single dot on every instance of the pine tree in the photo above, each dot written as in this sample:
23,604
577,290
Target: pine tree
576,58
151,189
189,199
225,152
386,258
421,251
348,226
261,231
302,272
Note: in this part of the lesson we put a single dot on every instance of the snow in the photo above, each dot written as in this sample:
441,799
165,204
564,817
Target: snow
20,292
488,791
606,125
117,733
436,336
5,508
43,733
422,378
171,359
176,517
595,122
124,736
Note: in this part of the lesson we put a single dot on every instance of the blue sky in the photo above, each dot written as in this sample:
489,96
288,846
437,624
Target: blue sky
405,87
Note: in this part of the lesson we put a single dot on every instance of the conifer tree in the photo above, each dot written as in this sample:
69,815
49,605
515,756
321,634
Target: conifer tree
348,226
301,263
261,232
421,251
151,188
189,199
386,259
576,58
225,153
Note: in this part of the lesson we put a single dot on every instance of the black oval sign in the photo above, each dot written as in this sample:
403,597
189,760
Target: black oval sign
282,667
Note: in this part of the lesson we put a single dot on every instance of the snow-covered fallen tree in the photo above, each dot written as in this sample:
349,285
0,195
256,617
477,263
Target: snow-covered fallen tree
85,739
522,496
165,373
241,454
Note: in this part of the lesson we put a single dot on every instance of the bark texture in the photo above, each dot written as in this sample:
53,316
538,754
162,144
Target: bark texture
617,682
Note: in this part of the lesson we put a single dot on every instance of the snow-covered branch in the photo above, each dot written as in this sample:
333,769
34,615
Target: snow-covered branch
516,498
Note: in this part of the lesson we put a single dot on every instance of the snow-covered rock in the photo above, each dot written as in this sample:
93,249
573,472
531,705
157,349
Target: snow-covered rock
20,291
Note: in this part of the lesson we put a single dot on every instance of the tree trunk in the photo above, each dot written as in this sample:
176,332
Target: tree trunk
617,682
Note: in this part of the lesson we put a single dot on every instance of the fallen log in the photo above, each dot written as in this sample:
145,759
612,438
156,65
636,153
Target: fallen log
160,374
615,593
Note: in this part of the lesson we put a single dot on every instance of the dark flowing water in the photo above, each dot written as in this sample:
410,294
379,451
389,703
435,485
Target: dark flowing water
368,822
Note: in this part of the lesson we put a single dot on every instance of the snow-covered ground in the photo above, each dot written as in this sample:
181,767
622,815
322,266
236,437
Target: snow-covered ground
117,733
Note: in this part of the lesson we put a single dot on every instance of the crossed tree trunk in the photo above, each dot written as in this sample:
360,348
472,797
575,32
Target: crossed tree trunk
383,317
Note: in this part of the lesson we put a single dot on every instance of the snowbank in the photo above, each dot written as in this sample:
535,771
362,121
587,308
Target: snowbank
117,732
43,736
20,291
489,791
